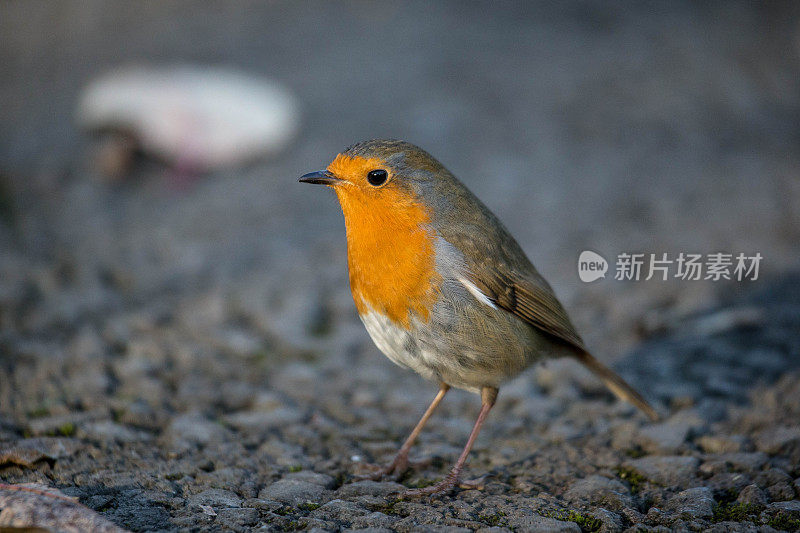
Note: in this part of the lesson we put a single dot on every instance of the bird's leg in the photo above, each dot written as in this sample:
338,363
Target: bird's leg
488,397
400,463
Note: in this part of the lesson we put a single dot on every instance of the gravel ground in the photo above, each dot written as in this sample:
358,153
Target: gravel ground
191,359
182,420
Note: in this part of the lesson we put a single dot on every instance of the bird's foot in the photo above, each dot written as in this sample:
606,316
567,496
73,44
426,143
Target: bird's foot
444,487
479,483
390,471
394,470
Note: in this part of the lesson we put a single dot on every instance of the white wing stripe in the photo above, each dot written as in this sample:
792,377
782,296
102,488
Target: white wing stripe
476,292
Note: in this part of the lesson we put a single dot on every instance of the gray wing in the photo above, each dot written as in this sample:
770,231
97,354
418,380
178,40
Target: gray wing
501,271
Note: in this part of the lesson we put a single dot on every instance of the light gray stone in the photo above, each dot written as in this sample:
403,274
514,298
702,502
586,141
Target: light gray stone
309,476
664,438
668,470
56,424
373,521
339,510
225,478
370,529
599,490
27,452
190,429
216,498
315,525
263,504
237,517
753,495
792,506
261,421
294,492
532,522
612,522
697,502
736,462
780,491
771,477
776,439
33,507
722,443
106,430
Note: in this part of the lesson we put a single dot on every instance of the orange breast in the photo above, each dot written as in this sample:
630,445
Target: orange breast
390,253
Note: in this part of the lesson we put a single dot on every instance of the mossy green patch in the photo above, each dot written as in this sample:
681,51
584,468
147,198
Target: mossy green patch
634,478
38,412
635,452
496,519
391,509
292,525
785,521
736,512
587,524
66,430
309,506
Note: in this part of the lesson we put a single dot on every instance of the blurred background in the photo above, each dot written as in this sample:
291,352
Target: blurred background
635,128
169,285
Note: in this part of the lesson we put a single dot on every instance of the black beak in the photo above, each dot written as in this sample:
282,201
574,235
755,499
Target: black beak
321,177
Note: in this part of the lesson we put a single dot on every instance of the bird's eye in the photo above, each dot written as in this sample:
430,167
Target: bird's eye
377,177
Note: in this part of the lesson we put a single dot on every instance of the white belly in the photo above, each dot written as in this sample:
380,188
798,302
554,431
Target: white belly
397,344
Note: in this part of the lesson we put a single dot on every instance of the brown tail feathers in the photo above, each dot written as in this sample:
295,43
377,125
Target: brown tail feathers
617,385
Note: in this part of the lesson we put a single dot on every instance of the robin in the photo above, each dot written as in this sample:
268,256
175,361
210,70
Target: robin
442,287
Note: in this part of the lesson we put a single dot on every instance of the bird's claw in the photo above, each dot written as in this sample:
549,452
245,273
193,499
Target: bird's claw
473,484
443,487
393,471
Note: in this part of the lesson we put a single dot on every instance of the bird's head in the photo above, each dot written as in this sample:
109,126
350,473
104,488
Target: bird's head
382,177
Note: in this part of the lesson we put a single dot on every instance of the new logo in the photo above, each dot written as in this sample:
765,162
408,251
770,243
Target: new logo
591,266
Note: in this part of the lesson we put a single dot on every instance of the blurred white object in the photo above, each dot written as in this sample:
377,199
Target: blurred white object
198,118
